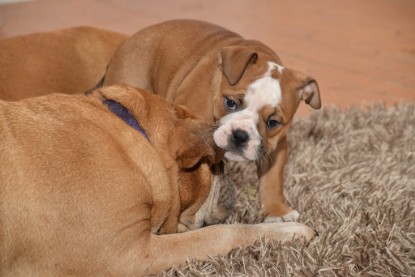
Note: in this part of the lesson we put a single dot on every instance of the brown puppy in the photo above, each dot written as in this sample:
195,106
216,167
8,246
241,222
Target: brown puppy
67,61
84,193
239,84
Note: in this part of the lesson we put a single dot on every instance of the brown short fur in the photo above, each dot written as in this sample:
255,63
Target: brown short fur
85,194
69,61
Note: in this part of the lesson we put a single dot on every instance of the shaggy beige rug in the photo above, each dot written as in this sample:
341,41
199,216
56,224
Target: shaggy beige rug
351,175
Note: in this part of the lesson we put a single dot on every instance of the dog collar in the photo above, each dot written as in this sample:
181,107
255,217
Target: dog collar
123,113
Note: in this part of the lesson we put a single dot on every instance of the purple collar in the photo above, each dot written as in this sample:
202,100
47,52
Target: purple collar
123,113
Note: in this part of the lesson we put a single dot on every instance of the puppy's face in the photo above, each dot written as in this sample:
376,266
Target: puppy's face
256,112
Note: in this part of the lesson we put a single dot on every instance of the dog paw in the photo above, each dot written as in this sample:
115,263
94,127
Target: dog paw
292,216
301,231
287,231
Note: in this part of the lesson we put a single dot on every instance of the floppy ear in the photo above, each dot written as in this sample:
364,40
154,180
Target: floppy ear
310,93
304,86
183,113
192,149
192,141
234,61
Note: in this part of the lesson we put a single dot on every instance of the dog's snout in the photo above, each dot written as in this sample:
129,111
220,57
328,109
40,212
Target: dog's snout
239,137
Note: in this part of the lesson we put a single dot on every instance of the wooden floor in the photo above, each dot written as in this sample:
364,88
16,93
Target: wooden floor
359,51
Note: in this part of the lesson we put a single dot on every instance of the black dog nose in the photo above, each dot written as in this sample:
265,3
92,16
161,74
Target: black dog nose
239,137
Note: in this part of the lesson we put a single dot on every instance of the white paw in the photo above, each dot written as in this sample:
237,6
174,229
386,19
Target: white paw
292,216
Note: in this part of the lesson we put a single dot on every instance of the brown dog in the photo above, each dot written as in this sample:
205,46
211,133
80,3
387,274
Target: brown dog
67,61
239,84
88,182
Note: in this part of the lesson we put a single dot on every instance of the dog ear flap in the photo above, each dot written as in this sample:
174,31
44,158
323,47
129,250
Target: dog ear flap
304,86
192,141
234,61
310,93
192,150
183,113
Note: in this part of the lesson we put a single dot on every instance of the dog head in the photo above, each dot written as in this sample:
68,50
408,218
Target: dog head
188,151
207,195
257,102
172,129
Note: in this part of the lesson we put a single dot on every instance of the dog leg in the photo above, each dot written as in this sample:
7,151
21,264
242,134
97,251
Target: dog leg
160,252
271,186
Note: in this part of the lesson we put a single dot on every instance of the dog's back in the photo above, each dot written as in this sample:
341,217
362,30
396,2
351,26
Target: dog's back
158,58
66,61
67,186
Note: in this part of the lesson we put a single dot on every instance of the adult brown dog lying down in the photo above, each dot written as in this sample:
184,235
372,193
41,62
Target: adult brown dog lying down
67,61
236,83
91,185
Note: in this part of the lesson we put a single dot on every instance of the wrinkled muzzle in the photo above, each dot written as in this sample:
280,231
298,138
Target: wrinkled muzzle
239,137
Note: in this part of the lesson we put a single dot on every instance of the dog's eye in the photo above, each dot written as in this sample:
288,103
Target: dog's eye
230,104
272,123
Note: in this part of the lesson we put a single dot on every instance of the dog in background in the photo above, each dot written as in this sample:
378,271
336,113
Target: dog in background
67,61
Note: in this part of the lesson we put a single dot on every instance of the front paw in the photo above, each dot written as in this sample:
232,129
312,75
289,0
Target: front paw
304,232
291,216
287,231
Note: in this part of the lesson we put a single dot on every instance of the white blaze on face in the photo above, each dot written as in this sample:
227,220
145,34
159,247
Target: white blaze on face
262,92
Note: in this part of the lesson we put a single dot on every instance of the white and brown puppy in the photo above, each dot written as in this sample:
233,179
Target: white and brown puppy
87,184
239,84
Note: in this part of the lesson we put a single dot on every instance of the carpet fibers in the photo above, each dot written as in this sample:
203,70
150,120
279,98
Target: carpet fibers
351,175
